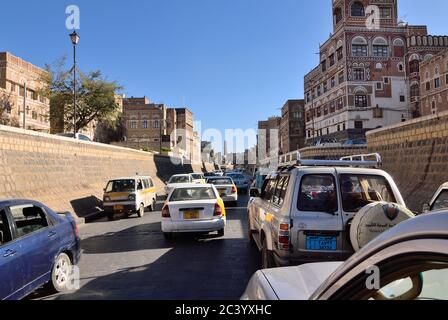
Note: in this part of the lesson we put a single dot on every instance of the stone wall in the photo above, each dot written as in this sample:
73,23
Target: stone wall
70,175
415,153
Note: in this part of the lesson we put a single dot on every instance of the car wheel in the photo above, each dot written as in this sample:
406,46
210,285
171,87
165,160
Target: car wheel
221,233
60,275
267,261
111,217
168,235
141,211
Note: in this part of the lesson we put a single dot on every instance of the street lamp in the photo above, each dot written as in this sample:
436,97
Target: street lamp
74,37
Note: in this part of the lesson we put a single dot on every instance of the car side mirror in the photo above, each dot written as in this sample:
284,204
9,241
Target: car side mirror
254,193
426,208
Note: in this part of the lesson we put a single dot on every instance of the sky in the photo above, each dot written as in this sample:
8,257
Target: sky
232,62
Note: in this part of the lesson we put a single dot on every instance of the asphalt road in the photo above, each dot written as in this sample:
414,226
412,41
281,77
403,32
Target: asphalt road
130,259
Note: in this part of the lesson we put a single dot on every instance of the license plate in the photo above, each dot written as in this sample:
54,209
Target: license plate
188,215
321,243
118,208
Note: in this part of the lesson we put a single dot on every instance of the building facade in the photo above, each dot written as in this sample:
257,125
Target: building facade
268,138
155,126
15,75
434,84
366,69
292,126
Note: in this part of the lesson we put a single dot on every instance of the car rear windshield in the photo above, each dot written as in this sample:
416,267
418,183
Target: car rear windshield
121,186
181,179
191,194
318,194
360,190
197,176
220,181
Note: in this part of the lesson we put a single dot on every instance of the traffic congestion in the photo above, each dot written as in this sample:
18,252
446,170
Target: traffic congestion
313,227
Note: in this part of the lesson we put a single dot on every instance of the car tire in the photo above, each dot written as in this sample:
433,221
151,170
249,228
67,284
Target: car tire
168,235
111,217
267,261
141,211
221,233
60,274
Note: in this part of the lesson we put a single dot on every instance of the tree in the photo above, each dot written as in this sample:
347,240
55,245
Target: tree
95,98
6,107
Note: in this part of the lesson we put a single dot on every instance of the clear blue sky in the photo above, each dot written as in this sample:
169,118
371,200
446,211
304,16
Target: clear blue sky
233,62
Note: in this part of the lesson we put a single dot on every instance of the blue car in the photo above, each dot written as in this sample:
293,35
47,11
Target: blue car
37,247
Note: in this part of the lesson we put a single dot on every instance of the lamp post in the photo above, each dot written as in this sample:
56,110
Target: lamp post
75,40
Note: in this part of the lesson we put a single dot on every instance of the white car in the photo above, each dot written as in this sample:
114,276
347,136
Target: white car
439,201
176,180
226,188
198,177
408,262
194,208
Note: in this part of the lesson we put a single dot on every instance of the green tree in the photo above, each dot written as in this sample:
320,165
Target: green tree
96,97
6,118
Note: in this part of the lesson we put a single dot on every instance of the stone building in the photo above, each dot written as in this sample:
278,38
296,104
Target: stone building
292,126
15,74
154,126
367,72
268,138
434,84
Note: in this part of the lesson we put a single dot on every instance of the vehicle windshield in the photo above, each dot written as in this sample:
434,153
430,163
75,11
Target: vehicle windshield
441,201
360,190
222,181
121,186
197,176
192,194
180,179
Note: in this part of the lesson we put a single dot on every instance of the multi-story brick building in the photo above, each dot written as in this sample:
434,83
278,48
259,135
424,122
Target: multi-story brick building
367,72
268,138
152,126
434,84
292,126
15,75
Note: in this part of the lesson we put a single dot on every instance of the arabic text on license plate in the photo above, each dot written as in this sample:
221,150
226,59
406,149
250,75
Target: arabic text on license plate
188,215
321,243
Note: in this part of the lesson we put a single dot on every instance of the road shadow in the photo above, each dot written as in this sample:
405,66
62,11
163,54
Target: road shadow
87,205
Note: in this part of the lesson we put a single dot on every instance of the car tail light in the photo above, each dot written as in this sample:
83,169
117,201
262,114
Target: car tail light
166,212
234,189
284,237
218,210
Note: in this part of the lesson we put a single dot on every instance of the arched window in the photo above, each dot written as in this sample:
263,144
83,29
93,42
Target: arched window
414,63
380,47
415,90
337,15
359,47
398,47
357,9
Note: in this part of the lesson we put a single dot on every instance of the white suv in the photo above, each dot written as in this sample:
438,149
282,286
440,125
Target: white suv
304,211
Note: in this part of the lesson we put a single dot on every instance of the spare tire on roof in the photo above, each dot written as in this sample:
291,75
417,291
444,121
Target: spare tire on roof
374,219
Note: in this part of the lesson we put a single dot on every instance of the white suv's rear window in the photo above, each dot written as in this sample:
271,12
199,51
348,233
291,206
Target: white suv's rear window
360,190
317,194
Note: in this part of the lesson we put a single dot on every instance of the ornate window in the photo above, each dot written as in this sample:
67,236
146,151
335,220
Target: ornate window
337,15
361,101
380,47
357,9
414,66
415,90
359,47
358,74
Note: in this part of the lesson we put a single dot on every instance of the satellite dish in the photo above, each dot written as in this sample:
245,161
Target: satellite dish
374,219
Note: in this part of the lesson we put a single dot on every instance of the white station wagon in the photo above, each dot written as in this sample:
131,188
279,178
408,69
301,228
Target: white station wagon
304,212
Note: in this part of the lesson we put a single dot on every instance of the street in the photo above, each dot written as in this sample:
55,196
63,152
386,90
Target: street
130,259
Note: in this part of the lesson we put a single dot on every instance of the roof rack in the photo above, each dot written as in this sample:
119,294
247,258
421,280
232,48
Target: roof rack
372,160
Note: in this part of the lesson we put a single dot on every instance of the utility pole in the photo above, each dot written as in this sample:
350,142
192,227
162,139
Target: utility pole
24,105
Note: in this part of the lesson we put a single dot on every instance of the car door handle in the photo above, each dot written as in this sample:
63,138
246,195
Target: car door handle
51,234
9,253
